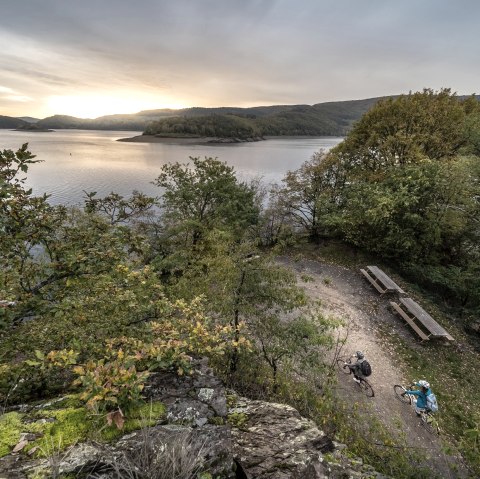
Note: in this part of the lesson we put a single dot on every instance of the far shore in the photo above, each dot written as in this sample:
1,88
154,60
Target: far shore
182,140
177,140
34,130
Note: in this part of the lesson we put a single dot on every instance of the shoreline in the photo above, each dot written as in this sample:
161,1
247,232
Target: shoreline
185,140
210,140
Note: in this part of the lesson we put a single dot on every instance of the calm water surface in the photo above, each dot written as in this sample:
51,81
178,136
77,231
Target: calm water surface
77,160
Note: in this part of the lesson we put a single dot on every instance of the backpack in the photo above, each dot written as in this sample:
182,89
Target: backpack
432,403
365,368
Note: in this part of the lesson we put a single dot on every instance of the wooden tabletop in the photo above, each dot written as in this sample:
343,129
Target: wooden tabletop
389,284
423,317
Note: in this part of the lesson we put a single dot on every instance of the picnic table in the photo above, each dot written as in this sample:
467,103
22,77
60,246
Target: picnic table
420,321
380,281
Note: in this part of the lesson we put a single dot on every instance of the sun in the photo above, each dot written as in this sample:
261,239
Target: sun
95,105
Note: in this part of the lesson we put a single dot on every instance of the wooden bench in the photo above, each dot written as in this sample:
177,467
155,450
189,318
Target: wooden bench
380,281
413,313
409,320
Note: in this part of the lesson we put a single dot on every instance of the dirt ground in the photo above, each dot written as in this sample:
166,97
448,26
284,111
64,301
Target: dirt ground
345,294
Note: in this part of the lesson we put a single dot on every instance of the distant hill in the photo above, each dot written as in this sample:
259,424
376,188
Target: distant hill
29,119
10,122
331,118
323,119
64,121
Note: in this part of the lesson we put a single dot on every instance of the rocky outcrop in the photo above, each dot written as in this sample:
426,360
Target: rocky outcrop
194,400
272,441
170,448
249,440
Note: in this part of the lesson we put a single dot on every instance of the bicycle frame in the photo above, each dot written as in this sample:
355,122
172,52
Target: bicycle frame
364,385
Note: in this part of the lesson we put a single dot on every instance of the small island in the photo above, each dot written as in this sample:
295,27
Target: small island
32,127
189,140
241,126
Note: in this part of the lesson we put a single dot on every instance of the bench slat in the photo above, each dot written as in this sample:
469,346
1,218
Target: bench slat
427,321
374,283
409,320
385,279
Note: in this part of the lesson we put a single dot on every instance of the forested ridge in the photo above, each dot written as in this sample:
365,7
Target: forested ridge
324,119
332,118
98,298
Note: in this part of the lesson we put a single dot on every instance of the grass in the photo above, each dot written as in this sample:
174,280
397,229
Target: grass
449,371
177,455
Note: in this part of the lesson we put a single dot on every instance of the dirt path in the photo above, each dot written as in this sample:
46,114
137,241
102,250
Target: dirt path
345,294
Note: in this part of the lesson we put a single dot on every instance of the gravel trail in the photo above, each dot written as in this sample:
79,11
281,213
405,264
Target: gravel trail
345,294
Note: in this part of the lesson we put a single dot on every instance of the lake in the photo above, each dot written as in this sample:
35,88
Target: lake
77,160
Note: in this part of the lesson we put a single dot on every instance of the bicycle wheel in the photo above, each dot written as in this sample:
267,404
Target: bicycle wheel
430,424
366,387
399,390
343,367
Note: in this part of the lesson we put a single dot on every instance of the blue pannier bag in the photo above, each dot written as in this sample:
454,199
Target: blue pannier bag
432,403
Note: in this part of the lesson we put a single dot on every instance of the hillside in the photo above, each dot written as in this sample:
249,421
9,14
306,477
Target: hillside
29,119
333,118
10,122
323,119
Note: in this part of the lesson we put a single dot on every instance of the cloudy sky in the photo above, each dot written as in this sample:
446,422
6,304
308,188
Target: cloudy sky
92,57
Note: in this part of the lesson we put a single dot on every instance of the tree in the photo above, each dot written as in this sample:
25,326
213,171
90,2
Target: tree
300,343
45,247
403,188
201,197
119,209
72,274
248,290
404,130
310,194
405,193
23,217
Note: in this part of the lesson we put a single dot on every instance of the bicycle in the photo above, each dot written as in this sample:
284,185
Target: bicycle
428,421
364,385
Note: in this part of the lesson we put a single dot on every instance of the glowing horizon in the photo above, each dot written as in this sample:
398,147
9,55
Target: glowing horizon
90,106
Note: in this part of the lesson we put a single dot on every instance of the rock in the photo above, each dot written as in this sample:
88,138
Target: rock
473,327
275,442
272,441
179,448
262,440
82,457
191,400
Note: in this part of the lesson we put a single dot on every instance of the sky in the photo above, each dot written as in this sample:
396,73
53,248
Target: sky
95,57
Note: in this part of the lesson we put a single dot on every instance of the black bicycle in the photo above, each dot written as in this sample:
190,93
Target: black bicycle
428,420
343,364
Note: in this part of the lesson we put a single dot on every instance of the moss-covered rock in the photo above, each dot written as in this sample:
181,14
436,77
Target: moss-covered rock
63,423
10,431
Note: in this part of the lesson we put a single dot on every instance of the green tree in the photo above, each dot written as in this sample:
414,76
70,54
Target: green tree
401,186
299,343
310,195
250,291
44,248
404,130
202,196
118,209
78,278
406,192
